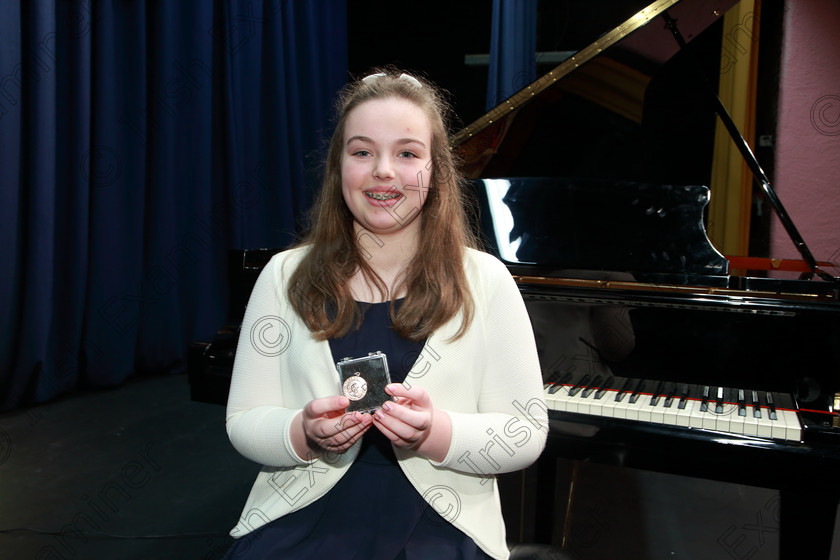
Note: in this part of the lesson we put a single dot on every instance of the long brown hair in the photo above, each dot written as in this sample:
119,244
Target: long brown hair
434,283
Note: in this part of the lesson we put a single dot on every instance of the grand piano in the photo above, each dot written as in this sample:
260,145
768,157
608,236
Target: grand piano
655,356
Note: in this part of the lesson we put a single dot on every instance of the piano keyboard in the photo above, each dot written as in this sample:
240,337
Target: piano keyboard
735,411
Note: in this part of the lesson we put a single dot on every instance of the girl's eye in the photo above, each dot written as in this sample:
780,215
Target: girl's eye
361,153
407,154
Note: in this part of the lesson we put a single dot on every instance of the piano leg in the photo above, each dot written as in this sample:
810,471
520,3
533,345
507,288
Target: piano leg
526,505
804,520
558,476
807,524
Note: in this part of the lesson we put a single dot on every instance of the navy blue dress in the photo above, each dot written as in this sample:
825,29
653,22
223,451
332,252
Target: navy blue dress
373,512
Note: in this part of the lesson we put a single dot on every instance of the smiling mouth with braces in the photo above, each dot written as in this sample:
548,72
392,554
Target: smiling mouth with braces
381,195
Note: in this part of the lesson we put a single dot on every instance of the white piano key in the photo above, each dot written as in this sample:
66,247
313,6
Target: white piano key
571,402
697,416
619,408
750,423
561,400
554,400
709,419
657,411
778,429
584,403
739,423
635,409
728,420
685,414
670,414
794,426
600,407
765,424
643,408
790,429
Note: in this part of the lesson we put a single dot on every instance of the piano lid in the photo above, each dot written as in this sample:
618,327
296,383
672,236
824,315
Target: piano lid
634,106
613,72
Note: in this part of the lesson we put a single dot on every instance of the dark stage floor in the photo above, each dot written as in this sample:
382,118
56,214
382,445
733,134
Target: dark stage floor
147,469
142,472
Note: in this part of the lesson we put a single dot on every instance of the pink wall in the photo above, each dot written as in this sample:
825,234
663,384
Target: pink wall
807,173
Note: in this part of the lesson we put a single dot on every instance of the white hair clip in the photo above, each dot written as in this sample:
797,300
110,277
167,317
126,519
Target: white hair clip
373,77
404,77
411,80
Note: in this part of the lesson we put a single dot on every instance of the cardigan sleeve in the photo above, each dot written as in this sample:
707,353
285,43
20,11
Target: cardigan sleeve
509,429
258,417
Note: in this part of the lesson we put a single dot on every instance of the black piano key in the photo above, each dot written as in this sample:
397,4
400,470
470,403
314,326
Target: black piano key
602,389
619,396
683,396
579,385
742,403
669,396
596,383
554,388
771,407
560,383
756,405
654,399
719,401
637,391
704,403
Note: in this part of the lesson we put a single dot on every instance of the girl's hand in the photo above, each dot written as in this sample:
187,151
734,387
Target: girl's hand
322,426
412,422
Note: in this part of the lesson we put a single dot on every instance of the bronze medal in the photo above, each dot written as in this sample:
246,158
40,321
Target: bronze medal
355,387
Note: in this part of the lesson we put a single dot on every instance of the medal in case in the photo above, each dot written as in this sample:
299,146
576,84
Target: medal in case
363,381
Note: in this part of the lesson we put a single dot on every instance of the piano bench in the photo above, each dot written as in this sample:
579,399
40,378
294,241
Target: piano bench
532,551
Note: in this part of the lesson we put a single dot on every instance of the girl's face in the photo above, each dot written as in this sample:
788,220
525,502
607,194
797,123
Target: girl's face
386,165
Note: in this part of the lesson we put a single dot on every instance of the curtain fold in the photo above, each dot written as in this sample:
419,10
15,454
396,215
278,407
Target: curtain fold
513,49
139,142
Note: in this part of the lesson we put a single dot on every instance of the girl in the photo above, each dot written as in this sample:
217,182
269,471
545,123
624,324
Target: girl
389,265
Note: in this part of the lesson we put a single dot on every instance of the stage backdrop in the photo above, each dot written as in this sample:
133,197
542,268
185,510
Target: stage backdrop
513,49
139,142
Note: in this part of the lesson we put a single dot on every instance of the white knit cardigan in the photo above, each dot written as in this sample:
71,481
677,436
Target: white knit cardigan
488,381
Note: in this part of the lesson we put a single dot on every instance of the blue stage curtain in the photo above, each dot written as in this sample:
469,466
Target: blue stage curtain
139,142
513,49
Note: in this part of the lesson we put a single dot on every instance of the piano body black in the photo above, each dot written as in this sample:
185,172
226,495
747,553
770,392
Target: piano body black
595,200
655,356
700,374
